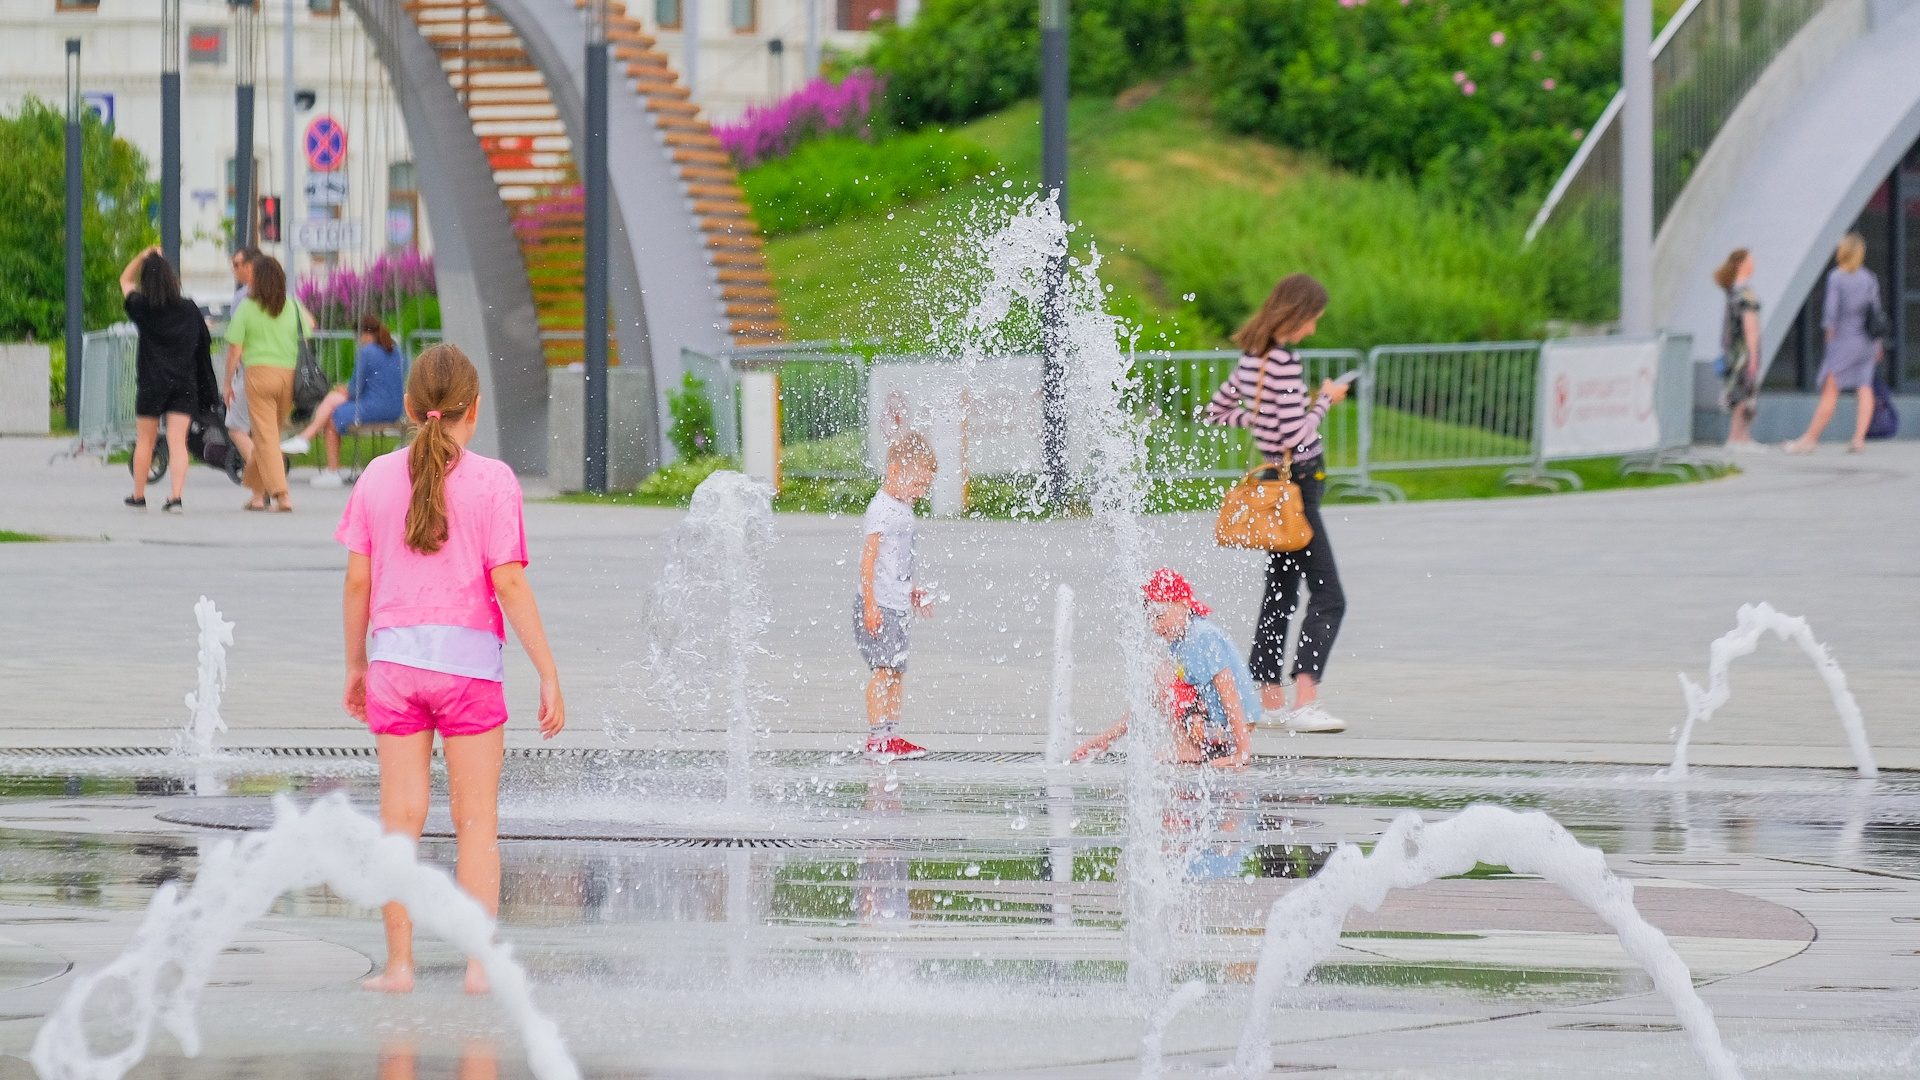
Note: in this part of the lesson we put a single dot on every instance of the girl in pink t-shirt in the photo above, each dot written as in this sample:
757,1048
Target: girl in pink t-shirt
436,552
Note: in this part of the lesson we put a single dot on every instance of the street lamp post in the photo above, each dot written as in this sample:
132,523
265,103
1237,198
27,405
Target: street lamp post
1053,173
1636,169
289,170
76,297
243,46
595,178
170,131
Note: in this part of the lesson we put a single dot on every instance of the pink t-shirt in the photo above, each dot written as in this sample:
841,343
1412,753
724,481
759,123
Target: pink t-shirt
452,586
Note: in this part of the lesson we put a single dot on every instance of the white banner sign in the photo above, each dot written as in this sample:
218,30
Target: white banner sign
326,235
1597,397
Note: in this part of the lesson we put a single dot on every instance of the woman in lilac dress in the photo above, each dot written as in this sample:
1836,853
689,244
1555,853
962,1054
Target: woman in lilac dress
1853,299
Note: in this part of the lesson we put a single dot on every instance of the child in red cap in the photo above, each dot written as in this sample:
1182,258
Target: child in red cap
1207,692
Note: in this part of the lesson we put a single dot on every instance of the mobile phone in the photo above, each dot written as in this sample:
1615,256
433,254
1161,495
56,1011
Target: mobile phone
1348,377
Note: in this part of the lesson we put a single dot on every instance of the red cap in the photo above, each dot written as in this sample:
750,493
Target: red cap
1168,587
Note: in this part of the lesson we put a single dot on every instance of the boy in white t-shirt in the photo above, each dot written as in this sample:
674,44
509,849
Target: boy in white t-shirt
887,593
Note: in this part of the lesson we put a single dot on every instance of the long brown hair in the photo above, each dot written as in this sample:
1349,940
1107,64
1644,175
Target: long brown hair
371,325
1730,269
269,288
1297,298
441,390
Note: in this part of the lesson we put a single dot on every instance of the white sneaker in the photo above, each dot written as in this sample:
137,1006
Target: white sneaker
1312,718
295,445
329,478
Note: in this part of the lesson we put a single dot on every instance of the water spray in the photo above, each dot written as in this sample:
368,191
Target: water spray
1752,623
1303,926
158,979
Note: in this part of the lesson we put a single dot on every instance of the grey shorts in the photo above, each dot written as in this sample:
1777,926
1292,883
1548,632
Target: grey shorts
886,649
237,418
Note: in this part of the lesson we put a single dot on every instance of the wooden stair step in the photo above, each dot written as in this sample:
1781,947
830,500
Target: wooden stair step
751,310
689,156
746,275
666,104
727,192
696,139
722,208
734,242
734,226
724,174
751,260
749,292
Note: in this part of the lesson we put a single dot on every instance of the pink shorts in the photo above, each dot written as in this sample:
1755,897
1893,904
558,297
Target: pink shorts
404,700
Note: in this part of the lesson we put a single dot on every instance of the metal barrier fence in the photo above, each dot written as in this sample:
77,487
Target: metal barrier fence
107,378
106,390
1449,406
1413,407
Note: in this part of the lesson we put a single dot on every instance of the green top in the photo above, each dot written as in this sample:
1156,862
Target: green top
264,340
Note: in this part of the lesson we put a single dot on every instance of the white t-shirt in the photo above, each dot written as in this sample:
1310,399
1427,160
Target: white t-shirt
893,569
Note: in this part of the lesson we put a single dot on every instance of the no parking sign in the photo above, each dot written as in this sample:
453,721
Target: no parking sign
326,144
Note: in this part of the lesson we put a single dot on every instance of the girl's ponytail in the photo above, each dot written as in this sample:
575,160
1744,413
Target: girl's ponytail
441,390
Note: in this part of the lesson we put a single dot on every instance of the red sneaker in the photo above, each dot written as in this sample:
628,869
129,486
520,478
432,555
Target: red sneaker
894,749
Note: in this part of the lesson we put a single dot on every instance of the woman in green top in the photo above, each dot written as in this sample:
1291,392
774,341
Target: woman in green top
265,332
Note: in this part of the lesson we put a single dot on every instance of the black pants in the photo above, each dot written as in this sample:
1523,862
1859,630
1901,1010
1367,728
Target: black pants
1287,571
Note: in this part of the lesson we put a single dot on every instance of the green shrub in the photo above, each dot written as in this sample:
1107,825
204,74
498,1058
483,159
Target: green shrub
1487,100
114,225
1399,264
828,180
672,485
965,58
691,431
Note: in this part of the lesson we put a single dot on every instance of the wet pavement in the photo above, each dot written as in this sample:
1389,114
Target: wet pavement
862,921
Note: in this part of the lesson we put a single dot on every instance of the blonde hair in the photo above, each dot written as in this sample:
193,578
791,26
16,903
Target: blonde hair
1851,252
912,448
1729,270
1296,299
441,390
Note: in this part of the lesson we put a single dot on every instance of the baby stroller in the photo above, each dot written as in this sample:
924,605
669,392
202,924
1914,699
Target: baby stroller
207,440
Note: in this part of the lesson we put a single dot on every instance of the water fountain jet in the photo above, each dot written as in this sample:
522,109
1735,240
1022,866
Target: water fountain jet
707,613
1752,623
1304,925
203,704
164,968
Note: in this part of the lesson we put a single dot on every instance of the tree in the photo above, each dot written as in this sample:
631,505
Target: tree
117,221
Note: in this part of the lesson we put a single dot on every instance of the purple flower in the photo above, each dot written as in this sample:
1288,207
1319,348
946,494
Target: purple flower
1547,84
344,294
1499,38
765,132
1468,88
1459,77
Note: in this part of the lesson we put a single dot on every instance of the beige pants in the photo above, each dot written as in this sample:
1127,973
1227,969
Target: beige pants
269,404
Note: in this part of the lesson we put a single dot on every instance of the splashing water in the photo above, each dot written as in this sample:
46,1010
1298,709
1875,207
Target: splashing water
1060,703
159,977
1304,925
1750,625
707,613
203,704
1010,278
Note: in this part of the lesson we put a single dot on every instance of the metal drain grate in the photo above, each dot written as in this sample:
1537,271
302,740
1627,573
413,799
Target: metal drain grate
793,843
1824,989
1608,1025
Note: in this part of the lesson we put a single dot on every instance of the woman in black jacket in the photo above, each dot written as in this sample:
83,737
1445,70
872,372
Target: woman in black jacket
173,369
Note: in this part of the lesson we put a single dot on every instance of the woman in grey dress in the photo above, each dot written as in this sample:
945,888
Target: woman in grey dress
1853,297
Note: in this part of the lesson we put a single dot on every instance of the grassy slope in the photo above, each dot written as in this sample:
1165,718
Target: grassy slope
1179,208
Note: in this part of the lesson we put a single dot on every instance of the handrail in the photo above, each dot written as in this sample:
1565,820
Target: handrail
1605,123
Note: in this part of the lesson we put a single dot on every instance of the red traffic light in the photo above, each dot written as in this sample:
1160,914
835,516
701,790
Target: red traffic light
270,218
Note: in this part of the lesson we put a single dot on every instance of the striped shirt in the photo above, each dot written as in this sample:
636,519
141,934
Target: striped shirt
1281,419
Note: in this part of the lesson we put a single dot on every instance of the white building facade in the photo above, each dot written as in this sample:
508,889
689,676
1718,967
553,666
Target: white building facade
366,204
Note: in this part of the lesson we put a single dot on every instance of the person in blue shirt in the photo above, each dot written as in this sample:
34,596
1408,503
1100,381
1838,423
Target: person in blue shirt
373,397
1207,692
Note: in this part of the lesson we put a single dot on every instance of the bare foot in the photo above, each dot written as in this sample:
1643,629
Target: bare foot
477,978
394,980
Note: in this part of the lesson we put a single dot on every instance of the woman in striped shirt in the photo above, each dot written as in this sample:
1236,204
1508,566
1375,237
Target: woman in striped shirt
1267,393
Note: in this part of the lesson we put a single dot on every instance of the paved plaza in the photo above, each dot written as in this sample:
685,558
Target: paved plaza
1520,629
1522,651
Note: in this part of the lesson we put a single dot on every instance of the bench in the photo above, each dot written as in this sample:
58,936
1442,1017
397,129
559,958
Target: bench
358,433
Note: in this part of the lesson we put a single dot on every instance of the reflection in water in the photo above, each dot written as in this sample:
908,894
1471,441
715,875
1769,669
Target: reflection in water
400,1060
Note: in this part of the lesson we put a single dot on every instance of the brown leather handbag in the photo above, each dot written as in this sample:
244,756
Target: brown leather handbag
1265,515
